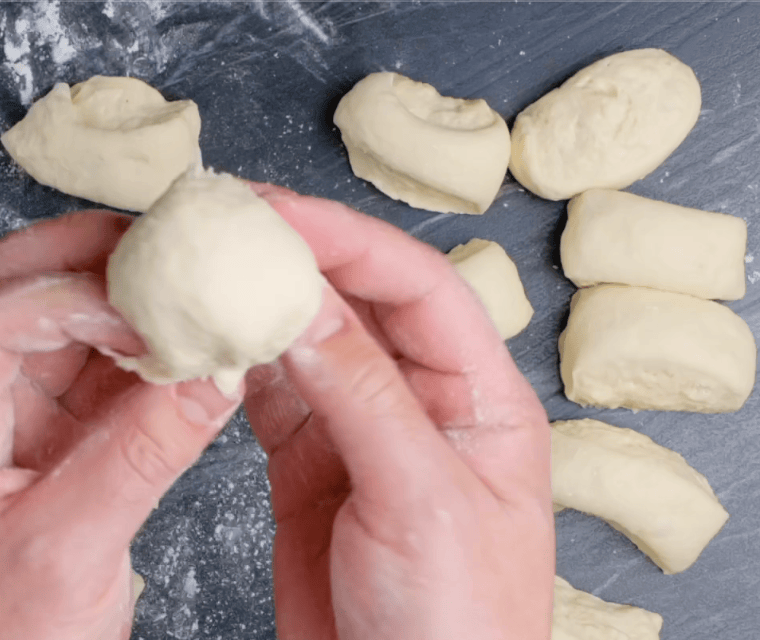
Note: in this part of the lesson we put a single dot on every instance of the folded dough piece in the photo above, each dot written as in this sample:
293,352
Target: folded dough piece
618,237
490,271
643,490
580,616
609,125
647,349
111,140
432,151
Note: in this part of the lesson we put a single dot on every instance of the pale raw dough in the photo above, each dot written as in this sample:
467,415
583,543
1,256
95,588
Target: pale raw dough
434,152
646,491
214,280
618,237
581,616
609,125
647,349
111,140
138,585
494,277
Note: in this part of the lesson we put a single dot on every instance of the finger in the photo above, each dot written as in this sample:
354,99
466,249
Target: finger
383,435
93,503
80,241
53,372
429,313
47,313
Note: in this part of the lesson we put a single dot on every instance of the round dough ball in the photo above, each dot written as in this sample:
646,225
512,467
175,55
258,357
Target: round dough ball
111,140
609,125
214,280
433,152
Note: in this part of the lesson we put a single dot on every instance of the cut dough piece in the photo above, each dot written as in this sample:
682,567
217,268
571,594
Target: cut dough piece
111,140
618,237
434,152
214,280
494,277
646,349
609,125
645,491
580,616
138,585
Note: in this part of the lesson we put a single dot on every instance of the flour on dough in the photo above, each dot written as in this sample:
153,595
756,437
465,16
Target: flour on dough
214,280
433,152
111,140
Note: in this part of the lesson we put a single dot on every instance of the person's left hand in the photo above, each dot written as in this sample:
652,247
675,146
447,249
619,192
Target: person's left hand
86,450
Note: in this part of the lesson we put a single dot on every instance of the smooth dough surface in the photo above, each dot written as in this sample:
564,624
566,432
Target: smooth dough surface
609,125
581,616
647,349
646,491
214,280
111,140
618,237
433,152
494,277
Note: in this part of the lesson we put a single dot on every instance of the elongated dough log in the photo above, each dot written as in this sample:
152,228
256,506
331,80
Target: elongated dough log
111,140
643,490
580,616
646,349
618,237
609,125
433,152
494,277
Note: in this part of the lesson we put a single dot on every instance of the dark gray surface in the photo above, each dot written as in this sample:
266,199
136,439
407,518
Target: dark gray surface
267,77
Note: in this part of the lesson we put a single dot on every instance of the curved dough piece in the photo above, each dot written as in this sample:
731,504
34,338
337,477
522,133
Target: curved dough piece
111,140
647,349
643,490
214,280
494,277
138,585
580,616
434,152
618,237
609,125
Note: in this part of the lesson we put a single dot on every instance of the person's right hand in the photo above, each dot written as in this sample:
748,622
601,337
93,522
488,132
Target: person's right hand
409,458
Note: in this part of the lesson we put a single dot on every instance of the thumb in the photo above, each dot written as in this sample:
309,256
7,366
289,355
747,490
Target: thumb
383,435
93,503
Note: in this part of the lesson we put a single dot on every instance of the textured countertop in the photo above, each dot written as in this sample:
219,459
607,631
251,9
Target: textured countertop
267,77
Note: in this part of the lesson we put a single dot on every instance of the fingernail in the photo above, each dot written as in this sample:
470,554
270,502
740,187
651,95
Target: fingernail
328,322
201,403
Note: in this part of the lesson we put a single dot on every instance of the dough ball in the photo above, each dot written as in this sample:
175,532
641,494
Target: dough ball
214,280
609,125
647,349
581,616
111,140
434,152
646,491
618,237
492,274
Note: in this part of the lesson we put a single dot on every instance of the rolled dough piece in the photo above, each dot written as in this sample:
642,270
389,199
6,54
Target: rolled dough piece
111,140
643,490
494,277
609,125
580,616
646,349
433,152
214,280
618,237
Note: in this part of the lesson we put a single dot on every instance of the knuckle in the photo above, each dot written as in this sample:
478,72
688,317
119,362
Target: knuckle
149,459
377,384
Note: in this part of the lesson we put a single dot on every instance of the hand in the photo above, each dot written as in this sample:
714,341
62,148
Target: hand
409,459
86,449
